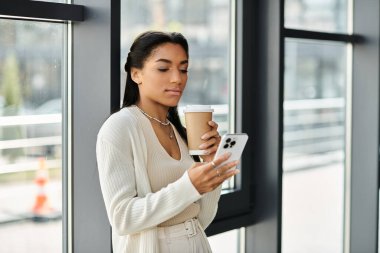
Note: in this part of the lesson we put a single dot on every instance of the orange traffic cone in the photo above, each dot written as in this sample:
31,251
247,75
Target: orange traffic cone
41,208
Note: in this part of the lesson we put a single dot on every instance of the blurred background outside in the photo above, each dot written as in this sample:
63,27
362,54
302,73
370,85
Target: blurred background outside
32,76
314,139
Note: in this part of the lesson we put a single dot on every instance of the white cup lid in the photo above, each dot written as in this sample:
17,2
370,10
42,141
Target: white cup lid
198,108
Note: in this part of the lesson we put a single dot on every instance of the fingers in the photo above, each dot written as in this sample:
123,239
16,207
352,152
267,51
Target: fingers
213,124
221,174
213,132
225,168
208,176
214,169
224,173
208,143
215,163
212,140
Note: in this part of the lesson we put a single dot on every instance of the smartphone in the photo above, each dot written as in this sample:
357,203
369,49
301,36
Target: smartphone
233,143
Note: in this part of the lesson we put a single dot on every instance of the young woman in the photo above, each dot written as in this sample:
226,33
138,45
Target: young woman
158,198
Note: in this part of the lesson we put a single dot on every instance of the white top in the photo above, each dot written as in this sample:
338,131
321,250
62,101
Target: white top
164,169
134,210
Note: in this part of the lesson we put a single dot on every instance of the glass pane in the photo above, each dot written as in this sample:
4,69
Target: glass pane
31,79
227,242
320,15
314,146
205,24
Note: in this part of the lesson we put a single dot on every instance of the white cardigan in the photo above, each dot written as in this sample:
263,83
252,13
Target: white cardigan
133,210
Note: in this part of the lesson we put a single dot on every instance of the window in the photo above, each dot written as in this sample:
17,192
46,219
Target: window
209,46
33,125
315,126
33,73
324,16
292,52
227,242
314,145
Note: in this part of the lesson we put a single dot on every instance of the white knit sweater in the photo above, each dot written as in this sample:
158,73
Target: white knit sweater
133,210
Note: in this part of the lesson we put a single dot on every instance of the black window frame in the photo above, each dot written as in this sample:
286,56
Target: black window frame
41,11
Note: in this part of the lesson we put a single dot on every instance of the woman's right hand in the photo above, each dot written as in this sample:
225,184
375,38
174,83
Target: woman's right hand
206,178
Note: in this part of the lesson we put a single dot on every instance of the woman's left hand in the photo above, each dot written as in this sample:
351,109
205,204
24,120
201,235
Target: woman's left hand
212,140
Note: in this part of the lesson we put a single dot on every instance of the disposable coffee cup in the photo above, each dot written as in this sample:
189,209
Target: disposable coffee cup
197,118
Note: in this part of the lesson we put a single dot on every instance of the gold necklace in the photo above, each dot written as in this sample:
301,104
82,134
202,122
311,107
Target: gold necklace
151,117
171,133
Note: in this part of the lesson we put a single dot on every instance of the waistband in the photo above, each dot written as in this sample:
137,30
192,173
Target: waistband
188,228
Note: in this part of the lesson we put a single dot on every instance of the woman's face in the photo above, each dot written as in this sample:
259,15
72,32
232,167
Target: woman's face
163,76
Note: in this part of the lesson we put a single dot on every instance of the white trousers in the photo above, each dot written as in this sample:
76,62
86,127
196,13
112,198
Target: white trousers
187,237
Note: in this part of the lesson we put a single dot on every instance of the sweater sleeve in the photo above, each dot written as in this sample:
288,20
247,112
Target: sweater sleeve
209,207
127,212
